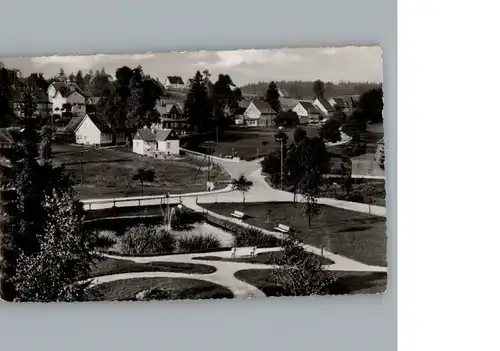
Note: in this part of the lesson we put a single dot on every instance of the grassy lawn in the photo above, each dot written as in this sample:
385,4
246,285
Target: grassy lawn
261,258
347,283
352,234
109,173
245,141
109,266
181,288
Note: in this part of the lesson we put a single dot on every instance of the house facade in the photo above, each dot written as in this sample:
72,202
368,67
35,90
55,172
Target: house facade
324,106
171,116
60,93
175,82
156,142
168,141
307,112
259,114
43,105
93,130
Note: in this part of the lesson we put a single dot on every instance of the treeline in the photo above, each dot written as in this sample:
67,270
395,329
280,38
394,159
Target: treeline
304,89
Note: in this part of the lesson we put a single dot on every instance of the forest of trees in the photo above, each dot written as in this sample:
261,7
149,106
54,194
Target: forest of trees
305,89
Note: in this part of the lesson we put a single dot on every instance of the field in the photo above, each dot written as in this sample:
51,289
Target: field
352,234
246,143
109,172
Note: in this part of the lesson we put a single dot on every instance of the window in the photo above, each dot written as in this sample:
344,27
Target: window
168,145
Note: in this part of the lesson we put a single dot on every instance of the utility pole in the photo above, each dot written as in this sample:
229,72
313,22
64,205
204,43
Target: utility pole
281,139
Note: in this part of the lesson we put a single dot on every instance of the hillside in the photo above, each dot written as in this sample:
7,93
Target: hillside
304,89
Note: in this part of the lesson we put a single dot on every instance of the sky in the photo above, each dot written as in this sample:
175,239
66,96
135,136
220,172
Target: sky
354,64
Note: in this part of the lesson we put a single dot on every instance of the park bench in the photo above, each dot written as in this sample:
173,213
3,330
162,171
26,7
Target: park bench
282,228
243,251
238,214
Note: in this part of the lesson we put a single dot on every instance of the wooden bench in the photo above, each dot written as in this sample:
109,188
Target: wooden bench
238,214
282,228
243,251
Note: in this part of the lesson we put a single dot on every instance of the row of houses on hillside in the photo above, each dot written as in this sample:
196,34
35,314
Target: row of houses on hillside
259,113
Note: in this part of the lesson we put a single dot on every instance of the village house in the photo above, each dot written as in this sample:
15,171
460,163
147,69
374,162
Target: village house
6,138
324,106
61,93
259,114
43,105
175,82
307,112
171,116
153,142
95,130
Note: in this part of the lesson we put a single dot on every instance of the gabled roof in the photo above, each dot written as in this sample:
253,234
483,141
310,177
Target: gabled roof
100,122
175,80
93,100
324,102
340,102
73,124
40,96
166,134
164,107
145,134
6,136
71,86
263,107
309,107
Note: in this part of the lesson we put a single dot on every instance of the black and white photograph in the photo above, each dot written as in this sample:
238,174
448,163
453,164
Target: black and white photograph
192,175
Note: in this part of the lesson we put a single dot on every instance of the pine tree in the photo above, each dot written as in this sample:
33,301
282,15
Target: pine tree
273,97
197,105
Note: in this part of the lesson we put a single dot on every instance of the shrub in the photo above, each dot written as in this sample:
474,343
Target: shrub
197,242
185,219
106,238
254,237
143,239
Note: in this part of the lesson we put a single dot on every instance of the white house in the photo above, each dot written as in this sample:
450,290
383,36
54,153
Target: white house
93,130
60,93
324,106
144,141
174,82
259,114
168,141
307,112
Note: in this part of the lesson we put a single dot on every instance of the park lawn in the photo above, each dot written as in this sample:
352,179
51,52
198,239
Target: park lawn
355,235
261,258
109,173
347,282
247,142
181,288
107,266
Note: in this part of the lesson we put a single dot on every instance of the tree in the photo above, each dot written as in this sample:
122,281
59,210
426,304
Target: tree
264,144
79,80
319,88
310,208
242,184
59,270
6,111
273,97
371,105
144,175
224,100
37,80
299,134
287,118
330,131
61,77
298,272
197,106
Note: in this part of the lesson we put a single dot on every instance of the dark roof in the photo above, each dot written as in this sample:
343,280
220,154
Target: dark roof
175,80
93,100
100,123
263,107
40,96
67,86
166,134
145,134
309,107
6,136
164,107
340,102
73,124
326,104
